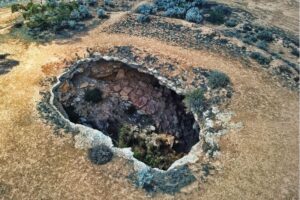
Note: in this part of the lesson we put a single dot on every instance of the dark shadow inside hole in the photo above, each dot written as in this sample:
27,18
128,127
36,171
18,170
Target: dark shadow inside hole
73,116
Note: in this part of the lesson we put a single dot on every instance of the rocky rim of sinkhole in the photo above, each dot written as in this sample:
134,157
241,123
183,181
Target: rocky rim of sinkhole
133,109
137,111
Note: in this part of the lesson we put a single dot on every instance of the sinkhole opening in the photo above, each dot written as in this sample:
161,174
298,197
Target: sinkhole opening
133,109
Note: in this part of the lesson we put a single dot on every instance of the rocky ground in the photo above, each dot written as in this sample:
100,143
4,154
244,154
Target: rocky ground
259,161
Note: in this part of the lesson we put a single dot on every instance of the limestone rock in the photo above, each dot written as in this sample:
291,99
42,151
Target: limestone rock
120,74
84,85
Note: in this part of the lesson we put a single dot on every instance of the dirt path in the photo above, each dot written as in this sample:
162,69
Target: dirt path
261,160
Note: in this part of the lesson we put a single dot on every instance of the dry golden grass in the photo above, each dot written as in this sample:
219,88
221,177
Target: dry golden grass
283,14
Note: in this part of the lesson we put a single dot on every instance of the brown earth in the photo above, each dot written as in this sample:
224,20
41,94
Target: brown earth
260,161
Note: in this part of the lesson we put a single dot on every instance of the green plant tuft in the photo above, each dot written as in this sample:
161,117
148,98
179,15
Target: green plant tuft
124,138
260,58
216,16
265,35
196,101
218,79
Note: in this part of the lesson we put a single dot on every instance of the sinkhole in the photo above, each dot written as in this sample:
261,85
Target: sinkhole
131,107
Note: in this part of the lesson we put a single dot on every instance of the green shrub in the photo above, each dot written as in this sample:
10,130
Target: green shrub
295,52
109,3
175,12
161,156
218,79
146,9
153,160
231,23
100,154
51,15
262,45
124,139
17,7
93,95
216,16
195,101
137,153
260,58
265,35
84,12
249,39
210,148
91,2
143,19
194,15
101,13
253,38
247,27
